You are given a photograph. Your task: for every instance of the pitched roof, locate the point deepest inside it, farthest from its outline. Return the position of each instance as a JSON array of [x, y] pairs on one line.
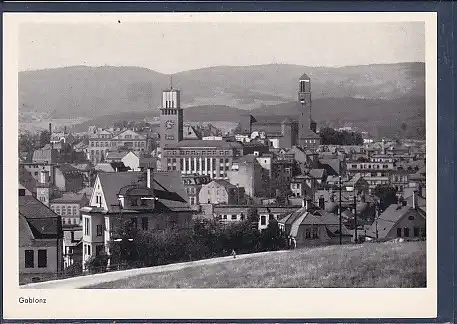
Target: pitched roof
[[168, 188], [42, 221], [388, 219], [224, 183], [68, 198], [115, 155], [68, 169], [26, 179], [304, 76]]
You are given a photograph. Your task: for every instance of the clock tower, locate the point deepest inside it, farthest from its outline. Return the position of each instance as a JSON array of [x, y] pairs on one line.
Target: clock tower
[[171, 118], [306, 126]]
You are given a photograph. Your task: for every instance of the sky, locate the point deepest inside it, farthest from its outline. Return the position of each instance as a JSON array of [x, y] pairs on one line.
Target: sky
[[170, 47]]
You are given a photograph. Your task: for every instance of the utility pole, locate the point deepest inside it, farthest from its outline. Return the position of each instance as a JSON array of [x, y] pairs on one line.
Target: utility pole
[[376, 218], [355, 218], [339, 212]]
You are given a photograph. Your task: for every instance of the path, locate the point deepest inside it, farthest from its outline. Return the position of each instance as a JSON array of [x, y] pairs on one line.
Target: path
[[84, 281]]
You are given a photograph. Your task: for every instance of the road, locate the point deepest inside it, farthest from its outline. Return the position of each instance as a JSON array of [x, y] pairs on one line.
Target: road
[[84, 281]]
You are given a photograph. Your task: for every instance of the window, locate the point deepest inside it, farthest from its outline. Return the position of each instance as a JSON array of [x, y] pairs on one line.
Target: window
[[29, 262], [134, 202], [406, 231], [315, 231], [263, 220], [68, 210], [224, 216], [133, 222], [99, 230], [86, 226], [411, 217], [144, 223], [398, 232], [307, 232], [42, 258], [144, 202], [75, 212], [88, 249], [416, 231], [234, 217]]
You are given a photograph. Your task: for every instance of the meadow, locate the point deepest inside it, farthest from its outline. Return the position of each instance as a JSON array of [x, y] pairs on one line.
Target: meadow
[[369, 265]]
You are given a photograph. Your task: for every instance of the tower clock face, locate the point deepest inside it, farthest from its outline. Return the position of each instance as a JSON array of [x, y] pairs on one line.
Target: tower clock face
[[169, 124]]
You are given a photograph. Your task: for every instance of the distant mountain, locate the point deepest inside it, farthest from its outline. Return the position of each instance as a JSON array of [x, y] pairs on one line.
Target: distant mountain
[[82, 91], [377, 116]]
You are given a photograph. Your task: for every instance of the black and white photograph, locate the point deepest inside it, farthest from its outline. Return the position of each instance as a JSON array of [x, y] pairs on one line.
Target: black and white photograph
[[190, 152]]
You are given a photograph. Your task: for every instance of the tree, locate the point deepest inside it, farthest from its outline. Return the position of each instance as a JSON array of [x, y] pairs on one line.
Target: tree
[[45, 138], [387, 196], [272, 238], [97, 263], [330, 136]]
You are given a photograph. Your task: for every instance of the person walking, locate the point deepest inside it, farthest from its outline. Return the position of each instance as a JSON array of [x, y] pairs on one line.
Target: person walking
[[234, 254]]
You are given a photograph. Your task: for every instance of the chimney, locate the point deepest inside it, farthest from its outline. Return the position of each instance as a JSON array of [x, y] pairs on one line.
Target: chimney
[[149, 177], [321, 202], [414, 199]]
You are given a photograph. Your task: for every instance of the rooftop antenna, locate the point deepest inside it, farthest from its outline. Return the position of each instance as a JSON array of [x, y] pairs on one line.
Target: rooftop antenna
[[171, 82]]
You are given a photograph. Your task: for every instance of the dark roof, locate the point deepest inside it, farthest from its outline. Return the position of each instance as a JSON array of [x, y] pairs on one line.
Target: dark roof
[[68, 198], [41, 220], [249, 158], [224, 183], [168, 188], [205, 144], [26, 179], [68, 169], [308, 133], [304, 76]]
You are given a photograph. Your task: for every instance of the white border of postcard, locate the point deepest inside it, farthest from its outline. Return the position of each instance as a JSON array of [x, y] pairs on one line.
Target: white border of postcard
[[211, 303]]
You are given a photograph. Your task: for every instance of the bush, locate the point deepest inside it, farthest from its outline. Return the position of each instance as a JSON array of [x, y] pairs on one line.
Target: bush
[[206, 239], [97, 263]]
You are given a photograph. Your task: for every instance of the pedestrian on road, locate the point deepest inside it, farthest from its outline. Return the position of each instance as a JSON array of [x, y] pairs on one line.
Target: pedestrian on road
[[234, 254]]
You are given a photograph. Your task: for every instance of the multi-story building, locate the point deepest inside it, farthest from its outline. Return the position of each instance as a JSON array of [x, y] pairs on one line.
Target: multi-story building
[[213, 158], [68, 207], [149, 201], [221, 192], [103, 141], [193, 184], [40, 240], [191, 156]]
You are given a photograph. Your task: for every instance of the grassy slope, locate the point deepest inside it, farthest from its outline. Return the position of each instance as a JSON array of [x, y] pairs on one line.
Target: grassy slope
[[383, 265]]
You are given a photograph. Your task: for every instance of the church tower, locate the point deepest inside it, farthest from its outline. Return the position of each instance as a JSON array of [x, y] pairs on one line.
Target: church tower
[[307, 125], [171, 117]]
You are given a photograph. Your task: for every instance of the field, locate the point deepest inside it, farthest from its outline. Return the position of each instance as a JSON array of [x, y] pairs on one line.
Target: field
[[370, 265]]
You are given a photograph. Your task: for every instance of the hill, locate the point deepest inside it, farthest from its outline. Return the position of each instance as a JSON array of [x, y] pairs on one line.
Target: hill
[[371, 265], [82, 91], [376, 116]]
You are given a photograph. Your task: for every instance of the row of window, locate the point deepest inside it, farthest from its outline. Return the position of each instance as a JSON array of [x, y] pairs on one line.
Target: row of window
[[71, 221], [109, 144], [65, 210], [30, 258], [404, 232], [198, 152], [370, 166]]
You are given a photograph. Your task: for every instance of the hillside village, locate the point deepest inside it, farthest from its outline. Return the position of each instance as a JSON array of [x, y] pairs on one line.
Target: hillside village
[[78, 190]]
